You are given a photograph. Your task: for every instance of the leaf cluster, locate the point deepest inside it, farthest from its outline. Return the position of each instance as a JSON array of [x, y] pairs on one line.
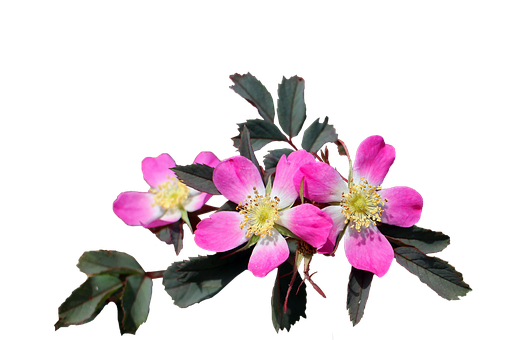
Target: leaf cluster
[[112, 276], [410, 246]]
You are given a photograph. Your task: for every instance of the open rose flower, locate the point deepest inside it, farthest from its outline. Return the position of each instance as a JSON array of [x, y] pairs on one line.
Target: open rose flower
[[362, 204], [167, 197], [239, 180]]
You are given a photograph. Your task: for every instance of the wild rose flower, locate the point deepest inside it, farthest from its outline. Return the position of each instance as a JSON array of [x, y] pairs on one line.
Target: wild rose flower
[[167, 197], [239, 180], [362, 204]]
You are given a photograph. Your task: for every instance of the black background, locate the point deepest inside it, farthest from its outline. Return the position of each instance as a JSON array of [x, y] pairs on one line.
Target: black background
[[122, 112]]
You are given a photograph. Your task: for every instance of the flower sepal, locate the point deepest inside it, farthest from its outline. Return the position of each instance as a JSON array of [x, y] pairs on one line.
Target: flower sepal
[[285, 232], [185, 218]]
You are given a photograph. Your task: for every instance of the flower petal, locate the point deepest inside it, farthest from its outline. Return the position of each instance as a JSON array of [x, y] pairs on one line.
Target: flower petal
[[322, 183], [403, 208], [335, 212], [236, 177], [135, 208], [220, 232], [269, 252], [195, 200], [207, 158], [286, 169], [373, 160], [368, 250], [171, 215], [156, 169], [156, 223], [307, 222]]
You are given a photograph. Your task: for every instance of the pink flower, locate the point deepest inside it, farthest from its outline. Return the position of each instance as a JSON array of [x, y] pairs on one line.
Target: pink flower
[[362, 204], [260, 213], [167, 198]]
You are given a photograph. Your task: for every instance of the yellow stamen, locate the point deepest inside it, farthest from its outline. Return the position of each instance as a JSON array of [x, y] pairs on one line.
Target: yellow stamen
[[260, 213], [362, 204], [170, 194]]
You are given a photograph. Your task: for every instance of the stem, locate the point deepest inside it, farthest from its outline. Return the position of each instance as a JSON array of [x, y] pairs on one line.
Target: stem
[[155, 275], [291, 144]]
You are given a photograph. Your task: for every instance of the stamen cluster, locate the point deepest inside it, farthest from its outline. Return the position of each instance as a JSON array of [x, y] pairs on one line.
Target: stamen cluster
[[362, 204], [260, 214], [170, 194]]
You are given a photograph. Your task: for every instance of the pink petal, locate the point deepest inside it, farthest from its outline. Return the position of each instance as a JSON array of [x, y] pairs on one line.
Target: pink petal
[[235, 178], [156, 223], [322, 183], [156, 170], [403, 208], [195, 200], [335, 212], [269, 252], [286, 169], [171, 215], [307, 222], [220, 232], [368, 250], [207, 158], [135, 208], [373, 160]]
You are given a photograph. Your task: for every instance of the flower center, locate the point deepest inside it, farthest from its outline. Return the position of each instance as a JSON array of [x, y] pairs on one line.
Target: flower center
[[362, 204], [170, 194], [260, 213]]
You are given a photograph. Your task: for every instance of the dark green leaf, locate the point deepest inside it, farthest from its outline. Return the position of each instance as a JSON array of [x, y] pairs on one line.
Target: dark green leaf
[[272, 158], [251, 89], [357, 293], [135, 303], [436, 273], [318, 134], [171, 233], [296, 304], [427, 241], [85, 303], [228, 206], [108, 262], [197, 176], [246, 149], [93, 317], [291, 105], [200, 278], [261, 133]]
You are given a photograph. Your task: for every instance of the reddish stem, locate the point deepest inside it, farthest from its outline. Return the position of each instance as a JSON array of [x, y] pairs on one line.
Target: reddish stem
[[155, 275]]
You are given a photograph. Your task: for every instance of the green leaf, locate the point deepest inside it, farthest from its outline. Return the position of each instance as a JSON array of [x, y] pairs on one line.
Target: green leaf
[[357, 293], [200, 278], [427, 241], [108, 262], [273, 157], [251, 89], [436, 273], [261, 133], [318, 134], [296, 304], [85, 303], [291, 105], [228, 206], [197, 176], [246, 149], [135, 303], [171, 233]]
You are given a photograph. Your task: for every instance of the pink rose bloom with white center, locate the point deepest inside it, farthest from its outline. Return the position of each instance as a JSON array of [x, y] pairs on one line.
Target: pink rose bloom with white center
[[239, 180], [362, 204], [167, 197]]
